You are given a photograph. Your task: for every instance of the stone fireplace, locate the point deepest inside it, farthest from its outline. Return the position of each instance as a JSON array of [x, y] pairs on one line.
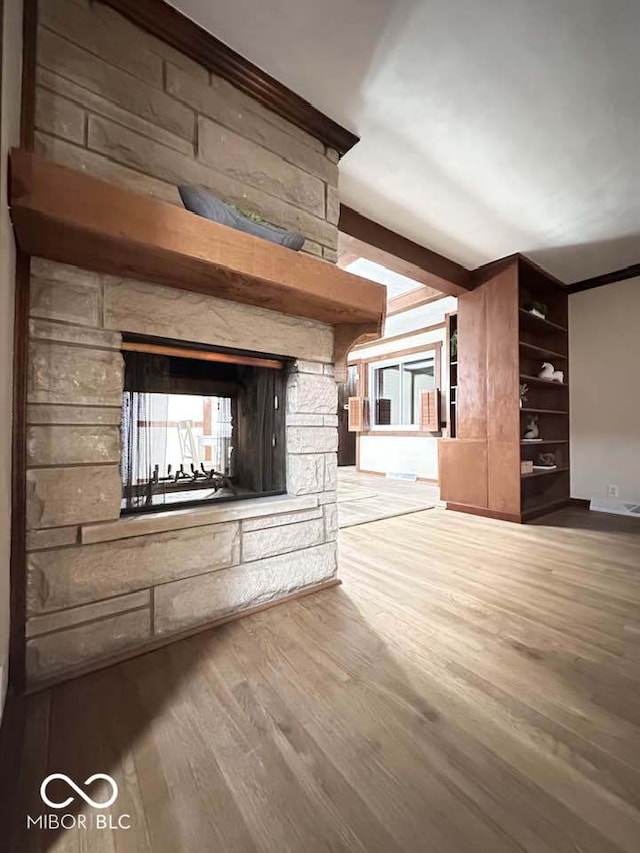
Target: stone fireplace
[[122, 553], [100, 583]]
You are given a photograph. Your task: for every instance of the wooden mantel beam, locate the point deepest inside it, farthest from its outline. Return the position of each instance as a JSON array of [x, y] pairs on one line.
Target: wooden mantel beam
[[363, 237]]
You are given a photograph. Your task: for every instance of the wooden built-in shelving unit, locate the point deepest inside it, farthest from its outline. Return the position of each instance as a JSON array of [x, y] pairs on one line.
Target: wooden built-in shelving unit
[[501, 346]]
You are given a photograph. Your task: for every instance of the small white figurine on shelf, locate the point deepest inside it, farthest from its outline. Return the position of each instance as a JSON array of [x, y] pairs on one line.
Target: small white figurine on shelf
[[549, 373], [532, 432]]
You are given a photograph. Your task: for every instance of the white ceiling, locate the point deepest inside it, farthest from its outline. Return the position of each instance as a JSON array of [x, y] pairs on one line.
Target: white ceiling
[[487, 126]]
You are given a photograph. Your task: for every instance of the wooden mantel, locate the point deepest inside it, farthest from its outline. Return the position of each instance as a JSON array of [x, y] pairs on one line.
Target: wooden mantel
[[74, 218]]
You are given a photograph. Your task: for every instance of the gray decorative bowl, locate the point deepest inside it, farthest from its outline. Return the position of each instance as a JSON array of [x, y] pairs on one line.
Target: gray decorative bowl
[[207, 205]]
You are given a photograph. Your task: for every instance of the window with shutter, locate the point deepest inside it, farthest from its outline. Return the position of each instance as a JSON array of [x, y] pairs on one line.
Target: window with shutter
[[397, 386]]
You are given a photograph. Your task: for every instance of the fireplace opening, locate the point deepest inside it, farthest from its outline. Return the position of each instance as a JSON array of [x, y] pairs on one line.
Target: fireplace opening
[[200, 425]]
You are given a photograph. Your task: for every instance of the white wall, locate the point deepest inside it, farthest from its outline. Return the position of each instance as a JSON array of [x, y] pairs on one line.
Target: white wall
[[407, 454], [10, 75], [604, 349]]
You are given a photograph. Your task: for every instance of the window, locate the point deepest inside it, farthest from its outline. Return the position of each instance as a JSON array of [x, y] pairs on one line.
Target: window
[[396, 386]]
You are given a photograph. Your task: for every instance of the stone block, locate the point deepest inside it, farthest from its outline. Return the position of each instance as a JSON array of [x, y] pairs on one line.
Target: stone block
[[68, 577], [47, 330], [330, 471], [312, 439], [330, 420], [302, 366], [84, 160], [259, 509], [222, 102], [333, 206], [116, 44], [329, 255], [137, 152], [87, 613], [305, 420], [329, 497], [62, 292], [305, 474], [61, 496], [54, 653], [258, 544], [45, 414], [109, 17], [283, 518], [150, 309], [307, 393], [76, 375], [131, 93], [330, 522], [329, 369], [183, 604], [333, 155], [101, 106], [54, 537], [250, 163], [59, 116], [72, 445]]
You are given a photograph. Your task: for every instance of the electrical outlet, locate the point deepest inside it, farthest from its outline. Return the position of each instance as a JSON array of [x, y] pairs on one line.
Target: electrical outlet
[[612, 491]]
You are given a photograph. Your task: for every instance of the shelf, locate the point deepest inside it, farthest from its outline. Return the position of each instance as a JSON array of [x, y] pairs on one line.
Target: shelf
[[535, 380], [545, 411], [540, 325], [542, 351], [525, 443], [543, 473], [74, 218], [453, 364]]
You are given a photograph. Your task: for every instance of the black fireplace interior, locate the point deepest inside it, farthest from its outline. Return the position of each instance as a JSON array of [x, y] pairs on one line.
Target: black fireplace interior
[[200, 424]]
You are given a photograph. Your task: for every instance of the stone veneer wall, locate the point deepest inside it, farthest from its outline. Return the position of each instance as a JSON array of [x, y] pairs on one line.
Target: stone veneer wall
[[98, 585], [124, 106], [118, 103]]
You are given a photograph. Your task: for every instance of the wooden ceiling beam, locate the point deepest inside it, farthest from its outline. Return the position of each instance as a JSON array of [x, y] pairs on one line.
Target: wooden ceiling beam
[[632, 271], [366, 238]]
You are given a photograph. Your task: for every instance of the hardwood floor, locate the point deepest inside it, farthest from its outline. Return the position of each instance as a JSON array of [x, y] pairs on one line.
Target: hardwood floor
[[368, 497], [473, 687]]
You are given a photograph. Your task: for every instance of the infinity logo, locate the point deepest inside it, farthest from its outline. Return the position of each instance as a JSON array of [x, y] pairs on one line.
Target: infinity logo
[[85, 797]]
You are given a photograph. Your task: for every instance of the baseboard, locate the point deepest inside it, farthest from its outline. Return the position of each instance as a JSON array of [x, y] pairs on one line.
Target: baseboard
[[484, 512], [580, 502], [160, 642], [383, 474]]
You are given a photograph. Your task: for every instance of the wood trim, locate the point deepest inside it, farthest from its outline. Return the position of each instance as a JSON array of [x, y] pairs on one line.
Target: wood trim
[[413, 299], [18, 554], [17, 566], [160, 642], [484, 512], [11, 738], [403, 336], [171, 26], [632, 271], [429, 347], [201, 355], [402, 255]]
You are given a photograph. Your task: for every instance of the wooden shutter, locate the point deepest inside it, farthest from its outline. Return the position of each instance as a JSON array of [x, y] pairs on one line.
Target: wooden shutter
[[356, 414], [430, 410]]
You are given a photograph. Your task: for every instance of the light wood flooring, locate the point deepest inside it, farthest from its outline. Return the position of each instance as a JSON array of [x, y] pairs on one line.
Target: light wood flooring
[[473, 687], [369, 497]]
